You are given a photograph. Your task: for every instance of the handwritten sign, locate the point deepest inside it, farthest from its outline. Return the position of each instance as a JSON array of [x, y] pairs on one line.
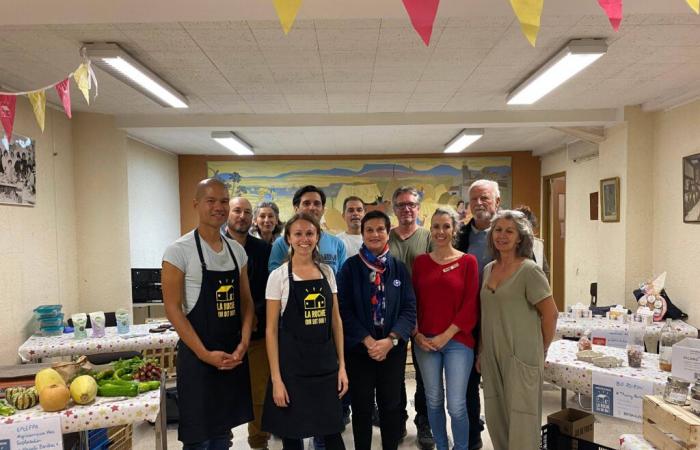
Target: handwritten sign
[[619, 396], [42, 433], [616, 337]]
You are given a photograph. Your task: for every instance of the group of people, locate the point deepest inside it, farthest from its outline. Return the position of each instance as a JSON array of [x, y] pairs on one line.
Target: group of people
[[277, 336]]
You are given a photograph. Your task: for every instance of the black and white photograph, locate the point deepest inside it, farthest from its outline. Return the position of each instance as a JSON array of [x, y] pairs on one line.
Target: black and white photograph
[[691, 189], [17, 171]]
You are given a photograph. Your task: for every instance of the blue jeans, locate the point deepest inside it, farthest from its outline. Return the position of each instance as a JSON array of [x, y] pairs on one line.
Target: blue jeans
[[216, 443], [456, 360]]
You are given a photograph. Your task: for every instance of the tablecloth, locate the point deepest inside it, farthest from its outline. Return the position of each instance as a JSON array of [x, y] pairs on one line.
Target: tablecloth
[[634, 442]]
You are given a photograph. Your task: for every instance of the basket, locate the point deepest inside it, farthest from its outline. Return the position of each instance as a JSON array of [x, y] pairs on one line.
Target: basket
[[167, 359], [114, 438], [552, 439]]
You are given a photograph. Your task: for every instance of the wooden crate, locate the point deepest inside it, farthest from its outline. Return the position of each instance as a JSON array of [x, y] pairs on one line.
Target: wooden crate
[[167, 358], [120, 438], [669, 427]]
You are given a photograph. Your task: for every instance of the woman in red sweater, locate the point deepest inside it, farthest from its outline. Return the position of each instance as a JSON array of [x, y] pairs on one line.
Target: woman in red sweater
[[446, 282]]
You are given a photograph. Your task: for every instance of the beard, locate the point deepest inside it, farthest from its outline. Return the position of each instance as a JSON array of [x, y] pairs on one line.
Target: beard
[[239, 227]]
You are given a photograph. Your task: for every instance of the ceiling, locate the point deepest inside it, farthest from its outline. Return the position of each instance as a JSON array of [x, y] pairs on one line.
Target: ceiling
[[358, 81]]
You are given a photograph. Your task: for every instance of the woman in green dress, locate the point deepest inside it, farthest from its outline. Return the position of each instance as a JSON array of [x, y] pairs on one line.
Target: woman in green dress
[[518, 321]]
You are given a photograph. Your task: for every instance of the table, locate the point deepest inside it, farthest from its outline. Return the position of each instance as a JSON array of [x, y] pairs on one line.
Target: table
[[563, 369], [634, 442], [36, 347], [575, 328]]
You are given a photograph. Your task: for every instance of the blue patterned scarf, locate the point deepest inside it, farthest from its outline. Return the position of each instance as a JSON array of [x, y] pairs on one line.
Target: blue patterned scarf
[[377, 266]]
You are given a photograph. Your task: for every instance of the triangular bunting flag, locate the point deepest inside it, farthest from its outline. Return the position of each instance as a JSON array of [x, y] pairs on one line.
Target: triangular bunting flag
[[422, 14], [63, 89], [287, 12], [7, 113], [82, 79], [528, 13], [613, 8], [695, 4], [38, 101]]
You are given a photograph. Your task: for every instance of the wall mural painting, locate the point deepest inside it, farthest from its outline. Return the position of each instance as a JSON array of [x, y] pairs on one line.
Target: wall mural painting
[[440, 181], [17, 171]]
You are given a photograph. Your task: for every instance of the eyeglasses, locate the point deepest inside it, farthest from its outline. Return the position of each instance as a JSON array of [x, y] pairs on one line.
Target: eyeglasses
[[409, 205]]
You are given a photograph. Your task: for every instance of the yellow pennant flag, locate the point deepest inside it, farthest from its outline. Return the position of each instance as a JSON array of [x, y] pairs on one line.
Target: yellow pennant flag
[[287, 12], [38, 101], [695, 4], [82, 79], [528, 13]]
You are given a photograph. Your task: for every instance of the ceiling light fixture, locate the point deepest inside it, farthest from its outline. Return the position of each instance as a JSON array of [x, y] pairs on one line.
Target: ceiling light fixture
[[114, 60], [464, 139], [573, 58], [232, 142]]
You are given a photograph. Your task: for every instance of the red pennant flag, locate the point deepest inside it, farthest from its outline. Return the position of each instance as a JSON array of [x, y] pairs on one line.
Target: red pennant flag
[[422, 14], [63, 89], [7, 113], [613, 8]]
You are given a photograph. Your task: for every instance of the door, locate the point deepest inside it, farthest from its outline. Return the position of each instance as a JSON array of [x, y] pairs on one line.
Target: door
[[554, 233]]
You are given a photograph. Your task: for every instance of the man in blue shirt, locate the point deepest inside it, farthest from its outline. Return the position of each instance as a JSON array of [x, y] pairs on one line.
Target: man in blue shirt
[[311, 200]]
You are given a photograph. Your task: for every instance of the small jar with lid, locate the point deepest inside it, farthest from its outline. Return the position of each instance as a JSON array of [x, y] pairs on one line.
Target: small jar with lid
[[695, 399], [676, 391]]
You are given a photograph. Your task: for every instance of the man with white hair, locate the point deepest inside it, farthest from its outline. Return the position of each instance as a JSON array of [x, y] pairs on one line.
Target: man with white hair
[[484, 201]]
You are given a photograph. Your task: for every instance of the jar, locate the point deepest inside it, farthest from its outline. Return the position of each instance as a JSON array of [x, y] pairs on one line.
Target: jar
[[695, 399], [676, 391], [635, 343]]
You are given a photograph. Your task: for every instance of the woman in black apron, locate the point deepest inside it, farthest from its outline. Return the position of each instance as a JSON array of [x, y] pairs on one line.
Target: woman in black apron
[[305, 346], [211, 401]]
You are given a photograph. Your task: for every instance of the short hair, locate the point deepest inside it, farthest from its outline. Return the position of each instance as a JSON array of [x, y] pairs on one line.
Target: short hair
[[524, 248], [275, 209], [352, 198], [529, 215], [375, 214], [316, 255], [207, 183], [486, 183], [296, 200], [403, 190]]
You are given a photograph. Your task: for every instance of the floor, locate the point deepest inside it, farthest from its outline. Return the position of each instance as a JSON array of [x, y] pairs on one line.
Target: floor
[[607, 430]]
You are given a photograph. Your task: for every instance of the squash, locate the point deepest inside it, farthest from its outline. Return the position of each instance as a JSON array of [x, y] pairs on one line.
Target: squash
[[47, 377], [22, 398], [54, 398], [83, 389]]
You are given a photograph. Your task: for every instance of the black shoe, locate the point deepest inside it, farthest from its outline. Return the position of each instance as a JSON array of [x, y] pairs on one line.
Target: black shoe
[[346, 416], [404, 433], [375, 417], [476, 445], [425, 436]]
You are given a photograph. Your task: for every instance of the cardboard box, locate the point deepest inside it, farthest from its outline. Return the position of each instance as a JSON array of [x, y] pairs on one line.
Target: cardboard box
[[574, 423], [686, 359]]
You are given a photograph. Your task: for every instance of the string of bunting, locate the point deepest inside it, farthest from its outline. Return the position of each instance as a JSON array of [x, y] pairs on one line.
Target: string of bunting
[[423, 12], [84, 78]]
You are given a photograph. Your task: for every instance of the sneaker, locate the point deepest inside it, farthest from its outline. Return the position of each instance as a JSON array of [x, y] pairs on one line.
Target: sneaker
[[425, 436], [375, 417]]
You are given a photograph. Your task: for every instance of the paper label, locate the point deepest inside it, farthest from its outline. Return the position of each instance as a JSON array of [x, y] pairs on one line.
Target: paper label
[[41, 433], [617, 337], [619, 396]]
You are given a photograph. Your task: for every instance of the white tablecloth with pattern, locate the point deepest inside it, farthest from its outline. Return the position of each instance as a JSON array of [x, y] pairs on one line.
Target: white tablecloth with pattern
[[564, 370], [37, 347], [104, 412], [577, 328], [634, 442]]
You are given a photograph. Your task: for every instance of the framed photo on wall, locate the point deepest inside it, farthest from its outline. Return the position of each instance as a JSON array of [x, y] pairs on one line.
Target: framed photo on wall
[[691, 189], [610, 199]]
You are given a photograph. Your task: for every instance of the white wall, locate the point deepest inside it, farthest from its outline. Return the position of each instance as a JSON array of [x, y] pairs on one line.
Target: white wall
[[154, 203]]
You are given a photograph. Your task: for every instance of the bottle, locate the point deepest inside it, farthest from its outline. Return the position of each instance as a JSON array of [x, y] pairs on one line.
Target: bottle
[[635, 343], [665, 346]]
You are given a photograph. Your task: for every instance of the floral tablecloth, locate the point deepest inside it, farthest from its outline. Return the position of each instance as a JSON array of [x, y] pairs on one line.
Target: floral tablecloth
[[103, 413], [577, 327], [564, 370], [634, 442], [37, 347]]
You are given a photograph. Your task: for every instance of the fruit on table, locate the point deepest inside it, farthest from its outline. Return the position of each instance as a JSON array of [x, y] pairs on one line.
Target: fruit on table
[[118, 388], [22, 398], [54, 397], [47, 377], [6, 409], [83, 389]]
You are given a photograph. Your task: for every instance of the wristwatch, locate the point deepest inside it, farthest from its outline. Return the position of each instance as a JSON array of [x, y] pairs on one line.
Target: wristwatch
[[394, 341]]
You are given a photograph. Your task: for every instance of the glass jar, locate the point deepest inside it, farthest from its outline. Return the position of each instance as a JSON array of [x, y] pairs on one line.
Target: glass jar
[[635, 343], [695, 399], [676, 391], [666, 346]]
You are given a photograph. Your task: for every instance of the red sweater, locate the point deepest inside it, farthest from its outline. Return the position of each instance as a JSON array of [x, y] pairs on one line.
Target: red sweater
[[447, 294]]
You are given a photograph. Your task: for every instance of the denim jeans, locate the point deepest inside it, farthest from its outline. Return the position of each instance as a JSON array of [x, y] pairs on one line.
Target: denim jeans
[[216, 443], [455, 360]]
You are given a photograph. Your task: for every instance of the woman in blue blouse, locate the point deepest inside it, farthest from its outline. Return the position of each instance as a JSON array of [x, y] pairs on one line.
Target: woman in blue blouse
[[378, 309]]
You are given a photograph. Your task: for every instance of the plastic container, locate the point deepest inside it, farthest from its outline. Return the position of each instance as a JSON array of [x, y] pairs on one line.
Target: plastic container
[[46, 311], [122, 316], [51, 331], [51, 321], [553, 439]]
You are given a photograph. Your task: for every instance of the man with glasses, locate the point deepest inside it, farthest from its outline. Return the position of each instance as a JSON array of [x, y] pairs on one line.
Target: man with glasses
[[406, 242]]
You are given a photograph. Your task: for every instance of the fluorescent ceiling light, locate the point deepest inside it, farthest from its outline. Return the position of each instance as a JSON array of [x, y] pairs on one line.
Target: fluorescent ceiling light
[[232, 142], [114, 60], [576, 56], [464, 139]]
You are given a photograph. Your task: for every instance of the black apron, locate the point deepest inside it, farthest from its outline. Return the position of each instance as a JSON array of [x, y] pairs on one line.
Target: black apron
[[211, 401], [308, 365]]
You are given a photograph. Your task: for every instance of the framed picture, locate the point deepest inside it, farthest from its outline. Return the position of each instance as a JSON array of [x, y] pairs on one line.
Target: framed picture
[[610, 199], [691, 189], [17, 171]]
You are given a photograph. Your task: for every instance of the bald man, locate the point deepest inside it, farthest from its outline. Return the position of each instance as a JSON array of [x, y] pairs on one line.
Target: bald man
[[207, 299], [240, 219]]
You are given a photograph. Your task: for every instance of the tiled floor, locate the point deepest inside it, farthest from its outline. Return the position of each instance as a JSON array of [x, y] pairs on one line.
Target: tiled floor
[[607, 430]]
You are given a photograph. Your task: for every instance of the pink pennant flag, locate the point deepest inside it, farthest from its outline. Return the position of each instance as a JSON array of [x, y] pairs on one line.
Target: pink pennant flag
[[422, 14], [7, 113], [63, 89], [613, 8]]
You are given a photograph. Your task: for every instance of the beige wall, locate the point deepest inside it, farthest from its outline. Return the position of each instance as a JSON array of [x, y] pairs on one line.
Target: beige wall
[[38, 245]]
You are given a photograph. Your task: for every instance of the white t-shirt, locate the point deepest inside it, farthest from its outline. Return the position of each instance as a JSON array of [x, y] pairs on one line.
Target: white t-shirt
[[352, 242], [278, 283], [183, 255]]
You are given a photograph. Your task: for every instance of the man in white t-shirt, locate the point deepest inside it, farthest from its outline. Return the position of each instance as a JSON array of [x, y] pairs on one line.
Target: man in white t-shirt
[[207, 298], [353, 212]]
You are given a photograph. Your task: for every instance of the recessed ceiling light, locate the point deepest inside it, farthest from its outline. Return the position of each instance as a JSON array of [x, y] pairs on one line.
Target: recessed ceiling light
[[232, 142], [464, 139]]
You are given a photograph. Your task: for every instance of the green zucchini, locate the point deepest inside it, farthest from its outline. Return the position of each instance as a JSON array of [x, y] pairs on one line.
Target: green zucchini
[[118, 390]]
